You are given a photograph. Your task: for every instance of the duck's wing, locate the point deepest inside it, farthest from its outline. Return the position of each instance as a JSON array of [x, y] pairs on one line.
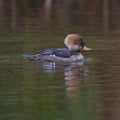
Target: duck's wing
[[59, 52]]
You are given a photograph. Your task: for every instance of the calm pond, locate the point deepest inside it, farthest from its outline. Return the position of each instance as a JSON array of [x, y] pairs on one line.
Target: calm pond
[[88, 90]]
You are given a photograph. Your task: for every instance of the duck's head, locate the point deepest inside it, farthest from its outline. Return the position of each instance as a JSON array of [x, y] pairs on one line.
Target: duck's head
[[75, 43]]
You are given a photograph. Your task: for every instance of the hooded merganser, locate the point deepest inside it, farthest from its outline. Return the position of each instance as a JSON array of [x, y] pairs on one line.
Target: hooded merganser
[[75, 45]]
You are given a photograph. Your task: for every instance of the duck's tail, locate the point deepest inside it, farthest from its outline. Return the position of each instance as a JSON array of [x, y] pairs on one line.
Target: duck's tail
[[29, 57]]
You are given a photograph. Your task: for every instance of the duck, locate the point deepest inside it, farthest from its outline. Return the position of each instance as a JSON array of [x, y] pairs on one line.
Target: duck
[[75, 45]]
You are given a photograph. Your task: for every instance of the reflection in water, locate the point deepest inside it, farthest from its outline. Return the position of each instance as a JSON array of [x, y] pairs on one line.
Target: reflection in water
[[74, 73], [90, 17], [75, 96]]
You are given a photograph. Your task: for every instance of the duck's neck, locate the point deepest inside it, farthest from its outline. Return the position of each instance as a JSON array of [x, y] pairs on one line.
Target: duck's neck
[[77, 57], [75, 52]]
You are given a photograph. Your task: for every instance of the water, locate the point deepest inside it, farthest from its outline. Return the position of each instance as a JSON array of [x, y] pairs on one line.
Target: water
[[88, 90], [80, 91]]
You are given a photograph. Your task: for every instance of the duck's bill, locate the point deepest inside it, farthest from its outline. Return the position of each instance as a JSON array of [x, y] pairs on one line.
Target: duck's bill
[[86, 48]]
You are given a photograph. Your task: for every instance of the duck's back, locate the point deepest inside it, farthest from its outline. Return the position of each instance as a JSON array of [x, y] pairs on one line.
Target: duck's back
[[59, 52]]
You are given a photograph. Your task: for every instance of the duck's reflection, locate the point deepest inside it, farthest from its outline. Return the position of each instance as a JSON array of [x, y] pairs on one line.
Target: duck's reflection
[[74, 74]]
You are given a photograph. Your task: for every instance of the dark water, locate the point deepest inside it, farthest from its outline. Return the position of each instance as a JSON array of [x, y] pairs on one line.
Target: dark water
[[88, 90]]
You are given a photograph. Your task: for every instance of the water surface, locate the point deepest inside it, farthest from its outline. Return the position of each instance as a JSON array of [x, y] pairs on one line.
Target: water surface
[[80, 91], [84, 90]]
